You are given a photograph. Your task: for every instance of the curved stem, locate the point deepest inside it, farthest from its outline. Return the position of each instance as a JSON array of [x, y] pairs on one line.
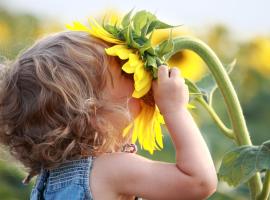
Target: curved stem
[[225, 130], [229, 95], [266, 187]]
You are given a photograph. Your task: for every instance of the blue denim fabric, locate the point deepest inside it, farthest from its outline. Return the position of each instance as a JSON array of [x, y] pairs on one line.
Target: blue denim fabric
[[68, 181]]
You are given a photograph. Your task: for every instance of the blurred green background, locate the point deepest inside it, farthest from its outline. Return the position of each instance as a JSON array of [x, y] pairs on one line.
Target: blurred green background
[[251, 78]]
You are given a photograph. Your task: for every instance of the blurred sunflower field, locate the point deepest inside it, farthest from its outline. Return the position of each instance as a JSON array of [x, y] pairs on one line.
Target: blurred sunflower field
[[250, 77]]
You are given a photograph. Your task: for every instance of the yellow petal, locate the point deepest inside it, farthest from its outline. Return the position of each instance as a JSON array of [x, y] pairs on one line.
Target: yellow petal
[[158, 132], [142, 92], [98, 29], [77, 26], [134, 60], [119, 50], [95, 30], [127, 129], [114, 20], [99, 32], [147, 129], [140, 72], [135, 133], [128, 68], [159, 116], [141, 123], [142, 78]]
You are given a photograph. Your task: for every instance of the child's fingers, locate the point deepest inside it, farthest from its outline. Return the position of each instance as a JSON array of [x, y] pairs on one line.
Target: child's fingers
[[174, 72], [163, 72], [154, 84]]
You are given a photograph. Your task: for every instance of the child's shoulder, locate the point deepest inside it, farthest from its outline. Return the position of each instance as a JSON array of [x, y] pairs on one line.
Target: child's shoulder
[[132, 174], [110, 172]]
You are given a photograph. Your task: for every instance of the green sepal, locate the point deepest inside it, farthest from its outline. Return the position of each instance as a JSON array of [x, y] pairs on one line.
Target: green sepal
[[141, 21], [156, 24], [151, 65], [146, 46], [111, 29], [165, 48], [126, 19]]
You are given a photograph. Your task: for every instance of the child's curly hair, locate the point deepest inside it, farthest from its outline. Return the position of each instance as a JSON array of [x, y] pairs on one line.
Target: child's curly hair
[[51, 102]]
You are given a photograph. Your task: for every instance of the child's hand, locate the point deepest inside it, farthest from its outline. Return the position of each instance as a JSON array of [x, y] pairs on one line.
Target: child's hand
[[170, 91]]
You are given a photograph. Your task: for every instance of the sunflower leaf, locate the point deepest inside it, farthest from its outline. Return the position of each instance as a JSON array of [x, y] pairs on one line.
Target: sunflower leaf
[[240, 164], [194, 91], [208, 85]]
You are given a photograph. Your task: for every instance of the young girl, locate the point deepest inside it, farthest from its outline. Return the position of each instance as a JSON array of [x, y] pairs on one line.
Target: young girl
[[63, 106]]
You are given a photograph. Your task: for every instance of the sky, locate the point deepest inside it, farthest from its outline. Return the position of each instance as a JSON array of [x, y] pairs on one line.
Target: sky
[[245, 18]]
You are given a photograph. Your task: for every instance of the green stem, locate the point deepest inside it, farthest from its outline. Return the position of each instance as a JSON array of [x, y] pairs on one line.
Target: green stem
[[225, 130], [231, 100], [266, 187]]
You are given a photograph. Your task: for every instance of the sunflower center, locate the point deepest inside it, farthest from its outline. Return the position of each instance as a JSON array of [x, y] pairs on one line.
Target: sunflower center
[[178, 57]]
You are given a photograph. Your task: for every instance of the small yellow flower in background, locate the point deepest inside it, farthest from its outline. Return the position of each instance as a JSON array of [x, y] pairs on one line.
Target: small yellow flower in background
[[47, 28], [4, 32], [191, 65], [259, 57]]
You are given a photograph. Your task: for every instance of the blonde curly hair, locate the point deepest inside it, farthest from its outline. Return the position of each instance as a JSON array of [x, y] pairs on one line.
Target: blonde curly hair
[[51, 102]]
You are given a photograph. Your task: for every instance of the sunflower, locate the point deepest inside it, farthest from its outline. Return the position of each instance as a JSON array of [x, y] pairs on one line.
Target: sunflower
[[5, 32], [259, 57], [146, 127]]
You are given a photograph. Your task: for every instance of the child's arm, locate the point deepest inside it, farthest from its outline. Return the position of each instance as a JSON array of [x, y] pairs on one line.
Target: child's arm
[[192, 154], [193, 176]]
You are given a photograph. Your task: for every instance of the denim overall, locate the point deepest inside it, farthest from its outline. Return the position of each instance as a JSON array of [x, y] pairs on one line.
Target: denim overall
[[69, 181]]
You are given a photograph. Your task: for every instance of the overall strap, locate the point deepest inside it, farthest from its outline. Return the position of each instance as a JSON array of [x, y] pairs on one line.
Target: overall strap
[[68, 180], [71, 172], [37, 193]]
